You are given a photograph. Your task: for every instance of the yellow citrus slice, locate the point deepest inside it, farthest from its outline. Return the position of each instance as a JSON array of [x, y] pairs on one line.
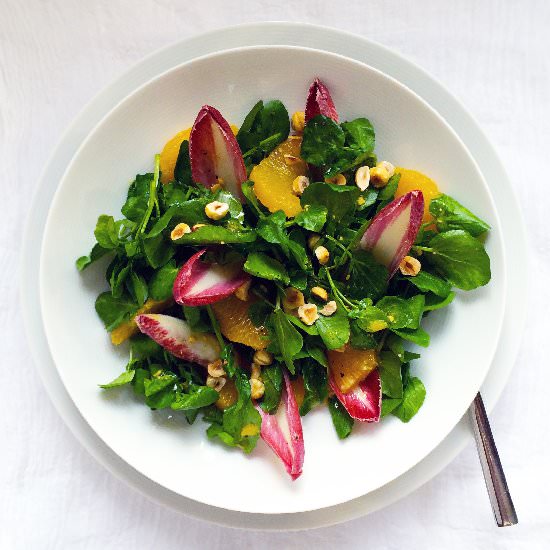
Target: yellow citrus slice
[[351, 366], [411, 180], [273, 177], [236, 325]]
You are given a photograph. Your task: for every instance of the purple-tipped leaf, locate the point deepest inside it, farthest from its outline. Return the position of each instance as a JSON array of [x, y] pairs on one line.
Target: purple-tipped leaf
[[363, 403], [393, 230], [283, 432], [199, 283], [319, 102], [215, 154], [176, 337]]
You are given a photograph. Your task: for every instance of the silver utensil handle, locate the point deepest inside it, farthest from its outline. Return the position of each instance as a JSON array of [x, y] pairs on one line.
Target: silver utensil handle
[[495, 480]]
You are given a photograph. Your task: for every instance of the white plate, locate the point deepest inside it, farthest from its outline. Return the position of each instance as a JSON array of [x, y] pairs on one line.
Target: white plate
[[268, 33]]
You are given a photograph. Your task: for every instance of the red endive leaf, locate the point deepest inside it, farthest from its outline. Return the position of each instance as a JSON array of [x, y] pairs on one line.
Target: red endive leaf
[[214, 152], [199, 283], [176, 337], [319, 102], [393, 230], [363, 403], [283, 433]]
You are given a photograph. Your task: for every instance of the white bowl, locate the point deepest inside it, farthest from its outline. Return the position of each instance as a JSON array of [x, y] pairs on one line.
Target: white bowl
[[162, 446]]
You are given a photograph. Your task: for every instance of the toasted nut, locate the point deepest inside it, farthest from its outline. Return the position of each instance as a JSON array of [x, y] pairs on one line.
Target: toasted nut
[[291, 160], [308, 314], [215, 383], [197, 226], [216, 210], [299, 185], [313, 240], [362, 177], [329, 309], [388, 166], [320, 292], [257, 388], [215, 369], [338, 179], [293, 299], [322, 255], [219, 181], [216, 187], [255, 371], [262, 357], [409, 266], [361, 201], [298, 121], [180, 230]]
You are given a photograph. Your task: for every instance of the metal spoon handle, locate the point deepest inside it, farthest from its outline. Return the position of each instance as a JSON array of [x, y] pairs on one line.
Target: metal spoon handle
[[495, 480]]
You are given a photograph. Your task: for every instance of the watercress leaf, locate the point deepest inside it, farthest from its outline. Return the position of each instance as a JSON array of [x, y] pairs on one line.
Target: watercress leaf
[[247, 189], [190, 212], [97, 252], [387, 193], [139, 381], [418, 336], [182, 169], [158, 251], [316, 353], [401, 312], [125, 378], [434, 302], [114, 310], [359, 135], [313, 217], [272, 229], [154, 385], [198, 397], [161, 399], [370, 318], [360, 339], [459, 258], [289, 340], [368, 278], [343, 422], [308, 329], [193, 317], [216, 234], [339, 200], [389, 367], [235, 206], [259, 313], [334, 330], [142, 347], [388, 405], [173, 193], [315, 386], [272, 377], [414, 394], [427, 282], [139, 288], [105, 232], [138, 197], [162, 281], [322, 142], [261, 265], [450, 214], [118, 276]]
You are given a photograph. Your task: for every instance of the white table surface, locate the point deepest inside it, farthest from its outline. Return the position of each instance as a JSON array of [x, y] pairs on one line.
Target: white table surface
[[56, 54]]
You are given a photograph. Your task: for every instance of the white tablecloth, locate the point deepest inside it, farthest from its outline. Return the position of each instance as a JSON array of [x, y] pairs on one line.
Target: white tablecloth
[[56, 54]]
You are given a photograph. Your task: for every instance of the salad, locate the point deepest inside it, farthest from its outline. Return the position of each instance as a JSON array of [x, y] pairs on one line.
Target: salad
[[260, 272]]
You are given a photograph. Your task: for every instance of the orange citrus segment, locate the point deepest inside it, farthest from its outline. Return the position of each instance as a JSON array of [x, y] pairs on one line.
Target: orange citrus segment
[[129, 328], [411, 180], [228, 395], [235, 324], [273, 177], [351, 366], [299, 390], [170, 152]]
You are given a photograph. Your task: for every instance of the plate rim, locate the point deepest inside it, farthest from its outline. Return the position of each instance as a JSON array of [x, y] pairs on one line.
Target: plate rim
[[262, 27]]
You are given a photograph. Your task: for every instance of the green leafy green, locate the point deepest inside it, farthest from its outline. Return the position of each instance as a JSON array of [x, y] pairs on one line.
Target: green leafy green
[[315, 385], [182, 169], [334, 330], [313, 217], [459, 258], [389, 368], [450, 214], [114, 311], [402, 312], [427, 282], [414, 394], [264, 266], [322, 142], [125, 378], [368, 279], [154, 385], [105, 232], [97, 252], [272, 377], [359, 135], [288, 341], [198, 397], [162, 281], [342, 421], [216, 234], [418, 336]]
